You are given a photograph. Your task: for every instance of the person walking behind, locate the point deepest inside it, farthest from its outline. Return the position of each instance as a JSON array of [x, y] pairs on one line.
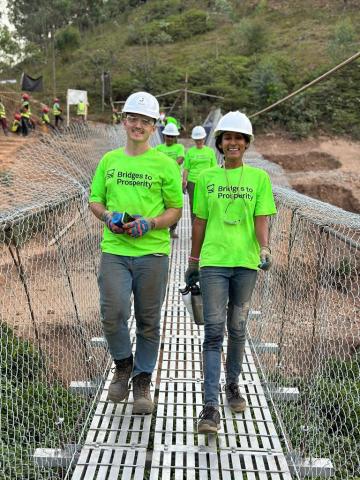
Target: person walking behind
[[139, 181], [197, 159], [57, 111], [44, 119], [175, 151], [25, 112], [81, 111], [230, 240], [3, 118], [16, 124]]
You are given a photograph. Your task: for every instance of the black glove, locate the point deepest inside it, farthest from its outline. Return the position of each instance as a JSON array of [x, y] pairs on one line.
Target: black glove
[[192, 272]]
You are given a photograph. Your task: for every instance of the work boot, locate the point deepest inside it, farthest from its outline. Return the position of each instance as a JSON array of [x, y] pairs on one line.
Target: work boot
[[119, 386], [141, 392], [209, 420], [236, 402]]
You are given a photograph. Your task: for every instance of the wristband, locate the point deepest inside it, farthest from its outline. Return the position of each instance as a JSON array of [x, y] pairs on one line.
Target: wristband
[[194, 259]]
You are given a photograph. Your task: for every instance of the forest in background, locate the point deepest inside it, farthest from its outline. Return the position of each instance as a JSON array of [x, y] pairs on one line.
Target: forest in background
[[251, 53]]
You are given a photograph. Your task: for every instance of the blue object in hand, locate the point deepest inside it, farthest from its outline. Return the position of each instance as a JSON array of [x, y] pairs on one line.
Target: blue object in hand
[[117, 219]]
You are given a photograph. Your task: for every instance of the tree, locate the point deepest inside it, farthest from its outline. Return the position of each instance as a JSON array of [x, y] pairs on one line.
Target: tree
[[9, 48]]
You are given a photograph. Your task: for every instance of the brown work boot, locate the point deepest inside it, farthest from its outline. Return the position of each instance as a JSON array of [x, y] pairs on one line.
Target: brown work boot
[[119, 386], [236, 402], [141, 392]]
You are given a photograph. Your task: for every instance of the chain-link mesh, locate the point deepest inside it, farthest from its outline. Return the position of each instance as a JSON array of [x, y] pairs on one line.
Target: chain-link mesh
[[49, 253], [306, 335], [305, 329]]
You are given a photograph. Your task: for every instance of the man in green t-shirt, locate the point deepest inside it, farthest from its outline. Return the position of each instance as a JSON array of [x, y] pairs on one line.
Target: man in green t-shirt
[[175, 151], [136, 191], [197, 158], [230, 243]]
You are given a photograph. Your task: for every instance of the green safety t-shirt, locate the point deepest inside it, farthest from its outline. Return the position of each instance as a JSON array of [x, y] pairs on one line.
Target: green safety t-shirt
[[146, 185], [197, 160], [232, 244], [174, 151]]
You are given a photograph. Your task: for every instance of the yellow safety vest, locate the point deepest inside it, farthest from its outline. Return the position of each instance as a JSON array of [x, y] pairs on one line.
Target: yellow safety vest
[[15, 126], [81, 108], [56, 109], [26, 107], [45, 118]]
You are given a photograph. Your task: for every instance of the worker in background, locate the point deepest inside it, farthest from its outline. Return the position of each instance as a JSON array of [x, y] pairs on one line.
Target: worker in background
[[230, 242], [81, 110], [175, 151], [197, 158], [57, 111], [3, 118], [25, 111], [16, 124], [45, 119], [136, 193], [172, 120], [116, 116]]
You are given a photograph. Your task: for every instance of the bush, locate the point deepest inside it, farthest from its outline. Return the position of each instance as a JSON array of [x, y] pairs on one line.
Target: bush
[[342, 43], [67, 38], [250, 36], [30, 408], [174, 27]]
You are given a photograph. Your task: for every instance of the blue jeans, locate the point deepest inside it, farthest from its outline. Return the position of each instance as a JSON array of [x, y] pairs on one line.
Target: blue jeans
[[223, 287], [146, 277]]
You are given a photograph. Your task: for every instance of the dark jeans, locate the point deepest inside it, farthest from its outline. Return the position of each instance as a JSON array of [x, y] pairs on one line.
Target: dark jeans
[[58, 118], [146, 277], [226, 295], [190, 189]]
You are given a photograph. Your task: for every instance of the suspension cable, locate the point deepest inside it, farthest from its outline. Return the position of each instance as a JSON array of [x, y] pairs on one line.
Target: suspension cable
[[313, 82]]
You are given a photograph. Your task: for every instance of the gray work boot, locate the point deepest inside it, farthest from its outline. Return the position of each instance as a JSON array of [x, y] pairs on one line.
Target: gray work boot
[[141, 392], [209, 420], [236, 402], [119, 386]]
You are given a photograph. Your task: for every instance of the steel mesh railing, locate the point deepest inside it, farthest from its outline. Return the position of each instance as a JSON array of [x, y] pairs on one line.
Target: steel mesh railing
[[308, 333], [305, 334]]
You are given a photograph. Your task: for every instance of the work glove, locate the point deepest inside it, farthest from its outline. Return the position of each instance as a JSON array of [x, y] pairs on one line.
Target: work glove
[[139, 227], [265, 258], [192, 272], [113, 220]]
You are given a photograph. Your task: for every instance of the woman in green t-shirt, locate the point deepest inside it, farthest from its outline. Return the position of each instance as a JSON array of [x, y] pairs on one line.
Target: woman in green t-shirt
[[229, 241], [197, 159]]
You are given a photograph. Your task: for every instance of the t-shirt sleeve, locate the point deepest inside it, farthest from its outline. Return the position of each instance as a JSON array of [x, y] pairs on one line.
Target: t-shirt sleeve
[[200, 207], [172, 187], [98, 188], [265, 203]]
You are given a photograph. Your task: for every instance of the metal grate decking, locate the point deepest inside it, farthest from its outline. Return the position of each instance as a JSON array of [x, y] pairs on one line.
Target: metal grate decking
[[165, 445]]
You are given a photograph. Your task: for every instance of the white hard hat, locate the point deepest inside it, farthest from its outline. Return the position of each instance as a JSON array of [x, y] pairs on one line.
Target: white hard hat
[[234, 122], [198, 133], [171, 129], [143, 103]]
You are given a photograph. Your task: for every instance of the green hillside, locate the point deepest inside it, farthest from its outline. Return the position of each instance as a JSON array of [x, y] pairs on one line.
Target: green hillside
[[252, 53]]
